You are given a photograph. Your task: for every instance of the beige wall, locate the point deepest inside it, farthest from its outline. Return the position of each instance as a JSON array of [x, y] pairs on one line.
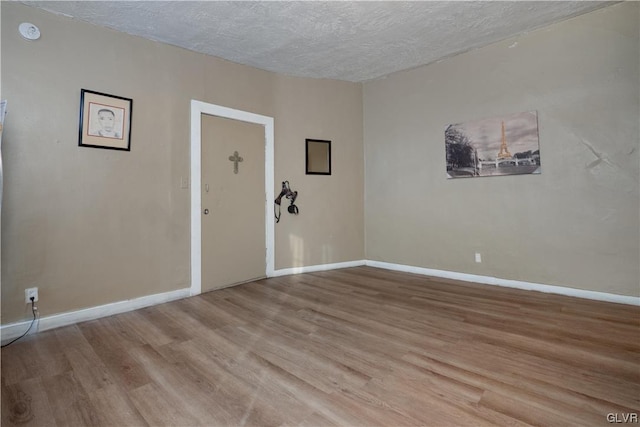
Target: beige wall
[[576, 224], [335, 237], [90, 226]]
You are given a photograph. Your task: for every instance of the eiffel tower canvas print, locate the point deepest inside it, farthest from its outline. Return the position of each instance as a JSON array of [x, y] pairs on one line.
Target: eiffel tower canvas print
[[504, 145]]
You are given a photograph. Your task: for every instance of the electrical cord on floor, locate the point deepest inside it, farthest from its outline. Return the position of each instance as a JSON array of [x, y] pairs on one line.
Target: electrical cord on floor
[[34, 310]]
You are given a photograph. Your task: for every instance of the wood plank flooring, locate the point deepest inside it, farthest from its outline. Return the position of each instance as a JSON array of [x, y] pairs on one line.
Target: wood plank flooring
[[352, 347]]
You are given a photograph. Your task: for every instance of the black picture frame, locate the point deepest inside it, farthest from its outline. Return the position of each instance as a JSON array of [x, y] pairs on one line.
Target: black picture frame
[[105, 121], [317, 157]]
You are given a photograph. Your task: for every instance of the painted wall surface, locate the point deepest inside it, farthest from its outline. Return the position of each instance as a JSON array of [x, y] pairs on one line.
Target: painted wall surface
[[90, 226], [323, 231], [575, 225]]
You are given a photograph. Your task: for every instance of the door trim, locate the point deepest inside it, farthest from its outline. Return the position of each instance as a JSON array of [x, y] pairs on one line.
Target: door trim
[[197, 109]]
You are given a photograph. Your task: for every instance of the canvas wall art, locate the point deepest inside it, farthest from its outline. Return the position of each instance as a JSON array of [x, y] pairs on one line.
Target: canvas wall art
[[505, 145]]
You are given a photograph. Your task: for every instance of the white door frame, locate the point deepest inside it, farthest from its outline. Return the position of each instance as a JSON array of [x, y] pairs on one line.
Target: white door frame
[[197, 109]]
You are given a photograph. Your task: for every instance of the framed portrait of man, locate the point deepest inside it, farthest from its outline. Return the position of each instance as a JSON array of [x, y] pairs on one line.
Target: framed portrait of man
[[105, 121]]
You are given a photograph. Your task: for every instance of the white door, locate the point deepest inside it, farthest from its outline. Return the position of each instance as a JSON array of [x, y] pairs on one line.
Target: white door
[[233, 202]]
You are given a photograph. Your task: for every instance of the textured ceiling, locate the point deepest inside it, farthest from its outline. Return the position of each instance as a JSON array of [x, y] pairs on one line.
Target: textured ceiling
[[344, 40]]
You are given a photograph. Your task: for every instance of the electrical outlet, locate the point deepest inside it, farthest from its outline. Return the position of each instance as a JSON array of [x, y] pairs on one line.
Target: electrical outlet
[[478, 257], [30, 292]]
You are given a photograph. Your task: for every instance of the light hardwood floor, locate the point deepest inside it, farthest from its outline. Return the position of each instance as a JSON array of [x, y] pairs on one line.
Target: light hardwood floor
[[353, 347]]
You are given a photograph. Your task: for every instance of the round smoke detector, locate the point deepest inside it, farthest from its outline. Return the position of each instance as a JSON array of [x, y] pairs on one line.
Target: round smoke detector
[[29, 31]]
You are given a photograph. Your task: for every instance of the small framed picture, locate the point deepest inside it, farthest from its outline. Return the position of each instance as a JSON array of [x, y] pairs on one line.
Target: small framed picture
[[318, 157], [105, 121]]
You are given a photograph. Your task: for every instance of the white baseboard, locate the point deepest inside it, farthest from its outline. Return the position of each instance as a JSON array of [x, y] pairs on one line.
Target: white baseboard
[[487, 280], [320, 267], [13, 330]]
